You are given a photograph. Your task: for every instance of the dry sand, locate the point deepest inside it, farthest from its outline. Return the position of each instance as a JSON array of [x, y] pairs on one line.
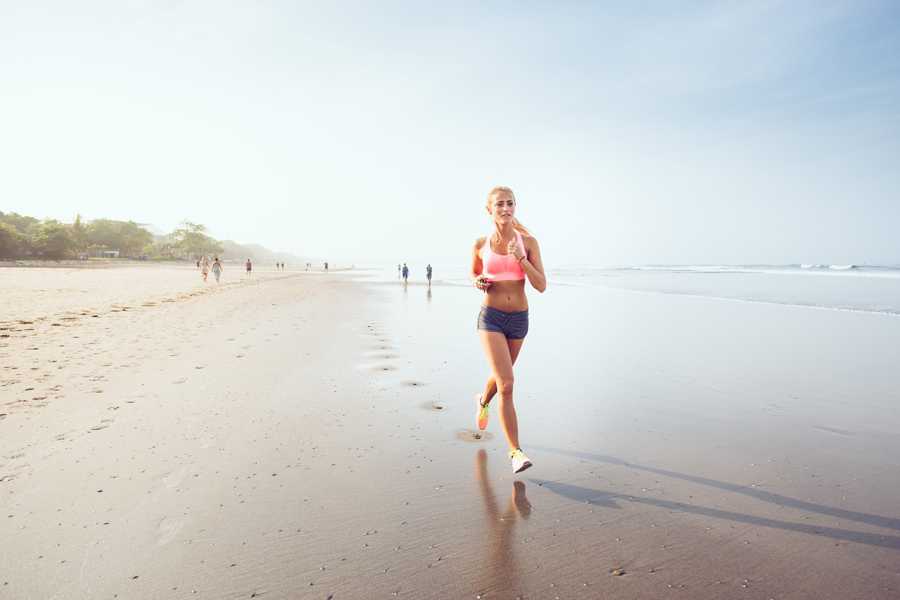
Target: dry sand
[[300, 435]]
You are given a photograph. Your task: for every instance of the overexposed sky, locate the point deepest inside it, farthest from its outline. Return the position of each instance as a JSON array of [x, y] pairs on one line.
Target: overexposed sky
[[632, 133]]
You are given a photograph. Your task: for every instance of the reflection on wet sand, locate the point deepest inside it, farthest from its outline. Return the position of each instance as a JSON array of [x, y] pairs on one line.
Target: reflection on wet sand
[[500, 578]]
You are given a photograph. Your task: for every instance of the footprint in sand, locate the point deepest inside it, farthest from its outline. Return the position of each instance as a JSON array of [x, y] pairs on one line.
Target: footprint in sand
[[103, 424], [66, 435], [17, 472], [472, 435], [169, 528], [173, 478], [182, 380]]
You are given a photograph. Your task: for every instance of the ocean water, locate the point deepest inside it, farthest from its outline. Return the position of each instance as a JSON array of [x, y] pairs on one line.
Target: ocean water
[[861, 288]]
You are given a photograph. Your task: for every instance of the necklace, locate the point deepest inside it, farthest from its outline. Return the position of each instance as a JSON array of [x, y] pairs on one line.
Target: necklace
[[500, 238]]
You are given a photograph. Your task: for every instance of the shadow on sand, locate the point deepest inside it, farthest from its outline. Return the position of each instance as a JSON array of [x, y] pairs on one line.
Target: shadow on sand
[[611, 499]]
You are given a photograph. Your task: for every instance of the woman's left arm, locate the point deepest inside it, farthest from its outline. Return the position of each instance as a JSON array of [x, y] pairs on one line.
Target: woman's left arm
[[532, 265]]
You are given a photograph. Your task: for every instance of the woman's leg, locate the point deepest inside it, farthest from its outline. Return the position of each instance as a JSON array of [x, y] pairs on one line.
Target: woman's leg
[[490, 387], [500, 353]]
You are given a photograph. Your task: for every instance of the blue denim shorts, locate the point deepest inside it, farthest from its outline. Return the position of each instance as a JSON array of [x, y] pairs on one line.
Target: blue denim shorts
[[513, 325]]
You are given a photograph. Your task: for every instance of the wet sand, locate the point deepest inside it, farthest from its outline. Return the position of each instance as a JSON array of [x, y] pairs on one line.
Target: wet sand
[[309, 436]]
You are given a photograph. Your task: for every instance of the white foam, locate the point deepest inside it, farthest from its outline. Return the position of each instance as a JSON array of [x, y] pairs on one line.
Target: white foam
[[727, 299]]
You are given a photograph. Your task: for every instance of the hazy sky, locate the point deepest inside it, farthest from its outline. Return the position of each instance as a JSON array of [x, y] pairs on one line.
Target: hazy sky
[[632, 133]]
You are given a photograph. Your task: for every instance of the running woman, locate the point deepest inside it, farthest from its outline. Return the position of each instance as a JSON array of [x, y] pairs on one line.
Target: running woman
[[217, 269], [501, 262]]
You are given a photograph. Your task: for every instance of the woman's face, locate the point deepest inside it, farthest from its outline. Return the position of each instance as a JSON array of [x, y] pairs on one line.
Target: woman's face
[[502, 207]]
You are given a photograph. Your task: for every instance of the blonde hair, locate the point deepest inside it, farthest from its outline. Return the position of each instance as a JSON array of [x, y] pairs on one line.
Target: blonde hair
[[516, 224]]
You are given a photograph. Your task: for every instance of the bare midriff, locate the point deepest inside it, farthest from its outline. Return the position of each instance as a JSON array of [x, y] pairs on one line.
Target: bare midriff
[[508, 296]]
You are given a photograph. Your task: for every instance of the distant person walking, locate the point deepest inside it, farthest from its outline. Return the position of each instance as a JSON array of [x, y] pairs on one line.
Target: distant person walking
[[204, 267], [249, 266], [501, 262], [198, 263], [217, 269], [399, 270], [326, 265], [405, 273], [428, 271]]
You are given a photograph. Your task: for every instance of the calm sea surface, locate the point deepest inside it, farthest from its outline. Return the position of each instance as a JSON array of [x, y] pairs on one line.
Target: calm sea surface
[[863, 288]]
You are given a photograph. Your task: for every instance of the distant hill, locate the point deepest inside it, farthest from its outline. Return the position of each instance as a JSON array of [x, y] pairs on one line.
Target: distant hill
[[255, 252]]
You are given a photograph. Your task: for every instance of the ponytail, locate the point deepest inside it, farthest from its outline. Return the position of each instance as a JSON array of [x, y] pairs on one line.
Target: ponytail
[[519, 227]]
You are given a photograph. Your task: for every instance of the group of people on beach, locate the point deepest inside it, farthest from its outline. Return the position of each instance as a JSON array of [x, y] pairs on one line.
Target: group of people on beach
[[278, 266], [216, 268], [404, 272]]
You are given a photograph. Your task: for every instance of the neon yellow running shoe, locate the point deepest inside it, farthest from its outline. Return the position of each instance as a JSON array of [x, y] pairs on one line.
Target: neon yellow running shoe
[[481, 413], [519, 462]]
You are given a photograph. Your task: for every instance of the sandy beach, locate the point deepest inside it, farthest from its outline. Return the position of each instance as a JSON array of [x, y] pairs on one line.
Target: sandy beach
[[311, 435]]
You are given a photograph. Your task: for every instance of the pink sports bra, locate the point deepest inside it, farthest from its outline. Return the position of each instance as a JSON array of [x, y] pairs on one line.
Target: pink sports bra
[[502, 267]]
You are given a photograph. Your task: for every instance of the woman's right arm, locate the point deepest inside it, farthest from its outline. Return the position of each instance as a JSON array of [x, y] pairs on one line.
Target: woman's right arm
[[476, 276]]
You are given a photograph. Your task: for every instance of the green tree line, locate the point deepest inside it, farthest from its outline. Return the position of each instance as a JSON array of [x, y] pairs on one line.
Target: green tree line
[[27, 236], [24, 236]]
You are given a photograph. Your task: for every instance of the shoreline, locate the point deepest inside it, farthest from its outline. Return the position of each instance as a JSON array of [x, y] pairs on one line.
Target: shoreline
[[86, 264], [747, 300]]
